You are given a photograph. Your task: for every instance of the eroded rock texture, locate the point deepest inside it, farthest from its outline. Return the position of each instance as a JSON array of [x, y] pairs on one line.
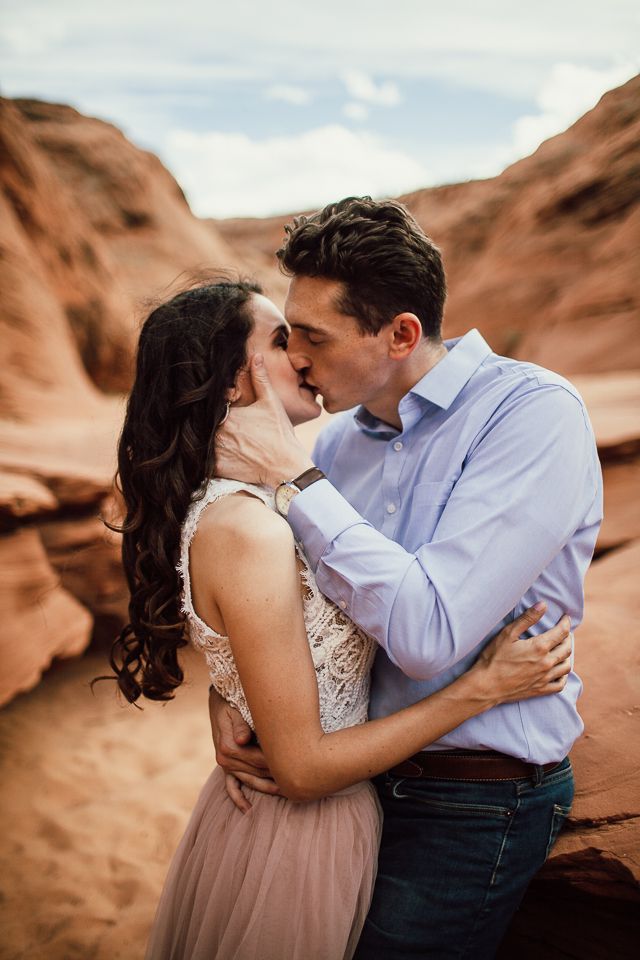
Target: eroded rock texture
[[40, 619], [613, 402], [544, 258], [585, 903], [56, 476], [90, 227]]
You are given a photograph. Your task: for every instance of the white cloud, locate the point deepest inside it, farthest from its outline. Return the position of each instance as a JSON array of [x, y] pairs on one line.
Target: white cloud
[[568, 93], [230, 175], [30, 35], [356, 111], [498, 45], [282, 91], [361, 86], [143, 65]]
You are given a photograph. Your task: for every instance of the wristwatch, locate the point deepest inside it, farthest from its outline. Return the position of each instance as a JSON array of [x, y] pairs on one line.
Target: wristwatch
[[288, 489]]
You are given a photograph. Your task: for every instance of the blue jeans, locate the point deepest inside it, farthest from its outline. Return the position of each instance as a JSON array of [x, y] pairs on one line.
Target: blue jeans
[[456, 858]]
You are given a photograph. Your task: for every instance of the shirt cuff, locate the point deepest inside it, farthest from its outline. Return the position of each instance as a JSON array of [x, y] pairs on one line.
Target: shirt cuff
[[317, 516]]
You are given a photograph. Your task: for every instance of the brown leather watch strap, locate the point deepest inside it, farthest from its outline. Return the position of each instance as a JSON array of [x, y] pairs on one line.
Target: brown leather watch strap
[[308, 477]]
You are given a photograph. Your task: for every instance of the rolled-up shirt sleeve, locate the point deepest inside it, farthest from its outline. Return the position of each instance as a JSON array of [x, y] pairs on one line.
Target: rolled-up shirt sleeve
[[526, 485]]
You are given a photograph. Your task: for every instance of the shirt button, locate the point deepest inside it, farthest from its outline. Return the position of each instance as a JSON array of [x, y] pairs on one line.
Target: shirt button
[[397, 445], [391, 508], [343, 604]]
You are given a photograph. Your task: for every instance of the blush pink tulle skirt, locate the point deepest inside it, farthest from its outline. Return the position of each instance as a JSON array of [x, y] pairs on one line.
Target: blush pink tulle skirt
[[285, 881]]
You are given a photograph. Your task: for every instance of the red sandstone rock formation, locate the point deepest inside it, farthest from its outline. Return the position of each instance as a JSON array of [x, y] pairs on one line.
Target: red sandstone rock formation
[[585, 903], [608, 754], [40, 619], [613, 402], [97, 224], [544, 258], [256, 241], [89, 226]]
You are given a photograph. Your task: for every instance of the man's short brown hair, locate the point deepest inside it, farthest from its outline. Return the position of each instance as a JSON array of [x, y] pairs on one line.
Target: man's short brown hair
[[384, 259]]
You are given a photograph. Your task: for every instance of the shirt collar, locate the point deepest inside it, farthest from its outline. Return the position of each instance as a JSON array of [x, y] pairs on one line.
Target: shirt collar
[[370, 424], [440, 386]]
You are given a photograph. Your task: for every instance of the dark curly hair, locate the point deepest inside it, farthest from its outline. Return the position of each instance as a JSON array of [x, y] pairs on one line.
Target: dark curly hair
[[384, 259], [190, 352]]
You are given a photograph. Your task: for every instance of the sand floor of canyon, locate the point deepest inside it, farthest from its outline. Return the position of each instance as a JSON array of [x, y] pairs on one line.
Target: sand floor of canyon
[[94, 797]]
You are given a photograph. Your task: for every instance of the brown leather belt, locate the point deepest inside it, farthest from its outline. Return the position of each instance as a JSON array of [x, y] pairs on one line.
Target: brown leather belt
[[478, 765]]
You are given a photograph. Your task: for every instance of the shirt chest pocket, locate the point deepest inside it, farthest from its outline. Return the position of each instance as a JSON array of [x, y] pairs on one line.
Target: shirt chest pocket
[[429, 500]]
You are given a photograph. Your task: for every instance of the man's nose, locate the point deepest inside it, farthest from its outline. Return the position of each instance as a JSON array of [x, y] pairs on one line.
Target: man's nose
[[297, 358]]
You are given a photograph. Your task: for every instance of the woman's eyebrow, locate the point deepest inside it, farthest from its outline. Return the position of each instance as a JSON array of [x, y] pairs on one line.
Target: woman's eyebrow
[[281, 328]]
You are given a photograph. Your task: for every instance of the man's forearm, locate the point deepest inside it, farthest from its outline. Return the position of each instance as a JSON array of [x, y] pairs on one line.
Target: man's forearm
[[431, 608]]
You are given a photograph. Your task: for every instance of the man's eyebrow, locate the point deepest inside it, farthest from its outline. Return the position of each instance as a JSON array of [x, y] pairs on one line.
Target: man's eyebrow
[[309, 327]]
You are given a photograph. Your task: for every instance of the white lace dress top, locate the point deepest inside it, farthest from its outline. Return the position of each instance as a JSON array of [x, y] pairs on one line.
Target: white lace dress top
[[342, 653]]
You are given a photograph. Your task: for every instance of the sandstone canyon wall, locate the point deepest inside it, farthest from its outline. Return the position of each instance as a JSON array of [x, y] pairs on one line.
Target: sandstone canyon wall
[[543, 259], [90, 226]]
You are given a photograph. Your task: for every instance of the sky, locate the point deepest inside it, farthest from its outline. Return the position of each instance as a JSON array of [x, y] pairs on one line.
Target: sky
[[261, 108]]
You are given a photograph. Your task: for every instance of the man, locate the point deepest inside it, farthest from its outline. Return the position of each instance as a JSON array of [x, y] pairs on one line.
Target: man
[[461, 489]]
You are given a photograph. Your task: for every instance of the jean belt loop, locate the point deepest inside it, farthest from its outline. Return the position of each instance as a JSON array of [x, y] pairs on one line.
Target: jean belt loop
[[396, 787], [539, 775]]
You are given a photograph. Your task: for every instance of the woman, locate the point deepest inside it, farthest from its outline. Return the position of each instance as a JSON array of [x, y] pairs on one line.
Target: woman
[[292, 878]]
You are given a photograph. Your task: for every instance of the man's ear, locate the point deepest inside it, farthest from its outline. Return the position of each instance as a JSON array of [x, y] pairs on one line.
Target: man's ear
[[405, 334]]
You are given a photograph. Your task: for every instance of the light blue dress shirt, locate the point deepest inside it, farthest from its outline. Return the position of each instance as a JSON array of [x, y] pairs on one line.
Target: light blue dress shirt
[[433, 537]]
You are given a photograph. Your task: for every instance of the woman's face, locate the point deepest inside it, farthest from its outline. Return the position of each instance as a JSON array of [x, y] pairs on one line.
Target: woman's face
[[269, 337]]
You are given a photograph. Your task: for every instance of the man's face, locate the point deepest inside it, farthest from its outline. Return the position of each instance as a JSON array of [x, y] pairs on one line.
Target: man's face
[[347, 367]]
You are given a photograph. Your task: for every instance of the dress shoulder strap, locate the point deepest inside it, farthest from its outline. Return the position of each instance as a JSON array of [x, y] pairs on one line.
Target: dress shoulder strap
[[209, 492]]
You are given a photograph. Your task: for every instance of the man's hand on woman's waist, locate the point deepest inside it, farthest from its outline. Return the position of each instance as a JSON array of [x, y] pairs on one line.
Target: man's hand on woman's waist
[[240, 760]]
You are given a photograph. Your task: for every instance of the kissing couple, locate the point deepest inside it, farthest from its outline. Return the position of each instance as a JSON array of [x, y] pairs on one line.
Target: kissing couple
[[386, 623]]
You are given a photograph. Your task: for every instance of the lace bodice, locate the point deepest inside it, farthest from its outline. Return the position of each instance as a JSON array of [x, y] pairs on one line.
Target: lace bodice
[[342, 653]]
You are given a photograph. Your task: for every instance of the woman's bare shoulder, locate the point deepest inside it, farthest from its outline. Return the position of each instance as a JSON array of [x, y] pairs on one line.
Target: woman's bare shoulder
[[238, 541], [241, 522]]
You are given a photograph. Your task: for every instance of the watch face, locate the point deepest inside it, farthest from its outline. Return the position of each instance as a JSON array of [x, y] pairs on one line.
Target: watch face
[[284, 494]]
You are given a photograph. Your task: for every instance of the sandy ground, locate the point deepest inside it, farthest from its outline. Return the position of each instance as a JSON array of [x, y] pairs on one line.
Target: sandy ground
[[94, 798]]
